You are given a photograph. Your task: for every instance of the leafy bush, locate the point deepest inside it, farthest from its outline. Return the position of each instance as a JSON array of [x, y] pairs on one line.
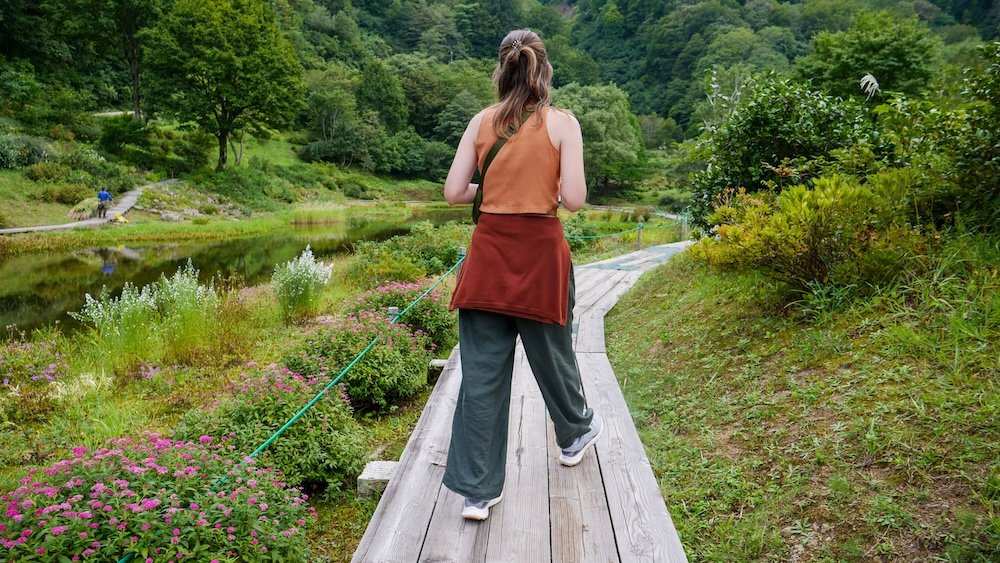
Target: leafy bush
[[773, 139], [27, 369], [576, 227], [424, 250], [674, 199], [153, 498], [95, 171], [249, 187], [47, 172], [66, 194], [428, 316], [299, 284], [153, 148], [840, 232], [393, 369], [17, 151], [323, 449]]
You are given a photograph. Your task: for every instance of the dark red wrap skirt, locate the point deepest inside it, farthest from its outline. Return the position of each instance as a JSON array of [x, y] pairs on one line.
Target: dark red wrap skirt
[[517, 265]]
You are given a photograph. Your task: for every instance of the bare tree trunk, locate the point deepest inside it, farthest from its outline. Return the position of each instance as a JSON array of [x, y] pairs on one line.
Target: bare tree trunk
[[223, 137], [133, 68], [237, 150]]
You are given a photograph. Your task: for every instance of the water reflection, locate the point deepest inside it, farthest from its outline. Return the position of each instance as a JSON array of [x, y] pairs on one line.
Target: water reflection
[[40, 289]]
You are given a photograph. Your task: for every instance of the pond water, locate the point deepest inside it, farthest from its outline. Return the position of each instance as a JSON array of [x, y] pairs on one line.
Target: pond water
[[40, 289]]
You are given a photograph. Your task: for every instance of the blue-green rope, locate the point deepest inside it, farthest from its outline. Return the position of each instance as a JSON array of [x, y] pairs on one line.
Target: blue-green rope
[[328, 386]]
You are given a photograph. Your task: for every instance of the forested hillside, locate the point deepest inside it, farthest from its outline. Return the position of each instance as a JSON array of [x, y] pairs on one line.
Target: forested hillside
[[388, 85]]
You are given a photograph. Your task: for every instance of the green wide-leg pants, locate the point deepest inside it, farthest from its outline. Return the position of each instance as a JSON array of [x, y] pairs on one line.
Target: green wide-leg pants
[[477, 457]]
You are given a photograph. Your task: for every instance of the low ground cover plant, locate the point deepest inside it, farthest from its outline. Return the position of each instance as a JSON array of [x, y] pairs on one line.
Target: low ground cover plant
[[298, 284], [28, 368], [393, 369], [430, 315], [153, 498], [325, 449]]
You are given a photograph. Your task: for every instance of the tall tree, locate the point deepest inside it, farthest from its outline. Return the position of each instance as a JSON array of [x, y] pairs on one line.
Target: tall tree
[[381, 92], [225, 65], [111, 25], [901, 54]]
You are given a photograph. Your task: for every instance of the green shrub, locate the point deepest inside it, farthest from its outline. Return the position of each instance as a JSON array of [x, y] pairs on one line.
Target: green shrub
[[47, 172], [248, 187], [428, 316], [153, 148], [356, 191], [577, 226], [95, 171], [393, 369], [18, 151], [774, 136], [839, 232], [424, 250], [67, 194], [326, 448], [674, 199], [299, 283]]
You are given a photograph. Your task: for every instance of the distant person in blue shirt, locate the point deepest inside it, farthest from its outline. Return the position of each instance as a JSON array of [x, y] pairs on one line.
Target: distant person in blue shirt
[[104, 201]]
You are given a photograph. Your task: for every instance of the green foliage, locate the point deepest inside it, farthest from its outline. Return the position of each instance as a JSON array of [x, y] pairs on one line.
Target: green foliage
[[425, 250], [392, 370], [324, 449], [248, 186], [455, 116], [66, 194], [225, 65], [612, 141], [298, 284], [430, 315], [152, 148], [47, 172], [95, 171], [838, 232], [172, 319], [381, 92], [29, 368], [901, 54], [17, 151], [576, 227], [773, 138]]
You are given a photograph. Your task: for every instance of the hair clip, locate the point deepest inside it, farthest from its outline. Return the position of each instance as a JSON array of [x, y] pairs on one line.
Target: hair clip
[[515, 43]]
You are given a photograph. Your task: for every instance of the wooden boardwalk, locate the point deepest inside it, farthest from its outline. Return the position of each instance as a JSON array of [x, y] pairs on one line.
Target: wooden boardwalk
[[606, 509], [123, 204]]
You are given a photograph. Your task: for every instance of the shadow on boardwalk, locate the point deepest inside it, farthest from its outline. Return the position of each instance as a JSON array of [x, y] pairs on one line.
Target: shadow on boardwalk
[[608, 508]]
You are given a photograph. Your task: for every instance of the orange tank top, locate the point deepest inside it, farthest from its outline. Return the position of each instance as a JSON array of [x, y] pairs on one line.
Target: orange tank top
[[524, 176]]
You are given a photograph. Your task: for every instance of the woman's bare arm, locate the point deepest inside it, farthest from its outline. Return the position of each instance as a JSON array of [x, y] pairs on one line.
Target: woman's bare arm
[[573, 184], [457, 188]]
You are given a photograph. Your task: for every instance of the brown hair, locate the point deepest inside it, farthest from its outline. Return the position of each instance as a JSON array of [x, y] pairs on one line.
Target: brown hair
[[523, 78]]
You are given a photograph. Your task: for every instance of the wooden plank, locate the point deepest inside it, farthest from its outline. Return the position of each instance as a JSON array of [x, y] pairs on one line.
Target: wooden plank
[[580, 520], [643, 528], [450, 538], [590, 336], [396, 530], [519, 530], [612, 278]]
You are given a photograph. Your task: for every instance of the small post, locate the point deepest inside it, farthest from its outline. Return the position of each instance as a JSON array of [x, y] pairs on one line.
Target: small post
[[392, 312], [638, 238], [459, 258], [684, 227]]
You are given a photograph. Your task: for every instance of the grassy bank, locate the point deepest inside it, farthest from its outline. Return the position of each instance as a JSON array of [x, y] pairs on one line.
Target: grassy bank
[[782, 432]]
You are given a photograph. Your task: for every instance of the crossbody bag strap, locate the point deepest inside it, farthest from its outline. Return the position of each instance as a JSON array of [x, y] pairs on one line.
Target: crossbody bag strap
[[478, 201]]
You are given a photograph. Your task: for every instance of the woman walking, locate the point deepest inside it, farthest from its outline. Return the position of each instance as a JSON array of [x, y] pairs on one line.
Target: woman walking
[[517, 279]]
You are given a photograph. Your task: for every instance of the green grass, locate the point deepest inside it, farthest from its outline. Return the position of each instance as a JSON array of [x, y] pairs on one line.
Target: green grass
[[21, 206], [776, 436]]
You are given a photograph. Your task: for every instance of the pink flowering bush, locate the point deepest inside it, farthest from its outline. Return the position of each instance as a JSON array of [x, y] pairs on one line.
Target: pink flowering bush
[[429, 316], [153, 499], [325, 449], [393, 369], [27, 370]]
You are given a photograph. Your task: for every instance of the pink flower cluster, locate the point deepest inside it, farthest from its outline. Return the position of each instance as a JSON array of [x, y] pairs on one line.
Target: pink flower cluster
[[154, 495]]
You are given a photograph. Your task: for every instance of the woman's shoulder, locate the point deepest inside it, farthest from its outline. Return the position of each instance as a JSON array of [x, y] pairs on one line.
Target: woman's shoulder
[[561, 116]]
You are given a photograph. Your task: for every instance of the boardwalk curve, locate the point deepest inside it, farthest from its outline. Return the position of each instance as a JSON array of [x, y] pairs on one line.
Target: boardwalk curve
[[606, 509]]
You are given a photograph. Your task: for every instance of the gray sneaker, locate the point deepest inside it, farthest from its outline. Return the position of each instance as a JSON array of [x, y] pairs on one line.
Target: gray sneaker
[[574, 453], [476, 509]]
